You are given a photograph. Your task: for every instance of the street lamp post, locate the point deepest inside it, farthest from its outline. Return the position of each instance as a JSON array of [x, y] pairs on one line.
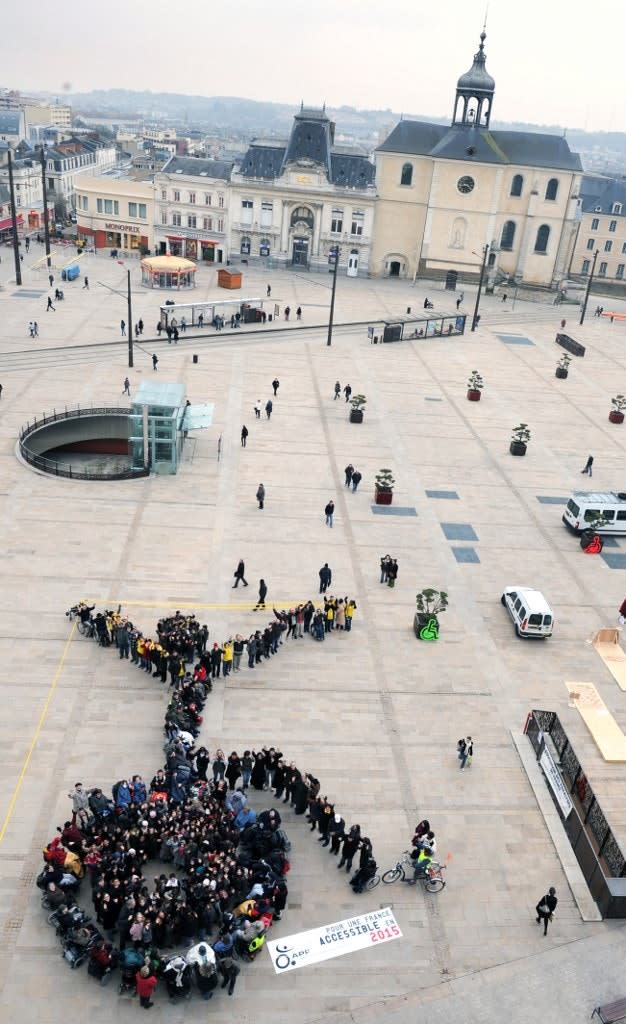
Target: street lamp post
[[589, 283], [335, 251], [131, 361], [16, 241], [476, 318], [44, 193]]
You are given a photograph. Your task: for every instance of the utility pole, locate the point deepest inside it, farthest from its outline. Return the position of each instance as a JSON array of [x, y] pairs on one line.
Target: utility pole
[[589, 283], [44, 193], [476, 318], [335, 252], [16, 241]]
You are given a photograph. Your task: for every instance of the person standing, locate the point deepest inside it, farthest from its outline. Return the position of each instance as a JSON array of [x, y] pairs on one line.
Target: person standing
[[261, 602], [260, 495], [465, 749], [268, 408], [329, 512], [385, 562], [239, 574], [349, 470], [299, 313], [337, 390], [51, 279], [275, 385], [126, 390], [86, 284], [326, 576], [244, 435], [588, 466], [287, 312], [31, 329], [146, 984], [36, 328], [123, 328], [392, 572], [269, 290], [356, 480], [546, 907], [257, 409], [155, 360], [347, 392]]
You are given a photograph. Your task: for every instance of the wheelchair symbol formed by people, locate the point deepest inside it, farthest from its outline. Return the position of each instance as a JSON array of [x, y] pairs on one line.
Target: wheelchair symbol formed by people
[[286, 957]]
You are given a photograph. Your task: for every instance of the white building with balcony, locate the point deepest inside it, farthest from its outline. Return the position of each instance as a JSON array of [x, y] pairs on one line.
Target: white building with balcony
[[191, 203], [296, 201]]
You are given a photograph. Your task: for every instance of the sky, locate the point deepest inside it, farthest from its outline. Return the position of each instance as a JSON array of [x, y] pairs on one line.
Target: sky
[[555, 62]]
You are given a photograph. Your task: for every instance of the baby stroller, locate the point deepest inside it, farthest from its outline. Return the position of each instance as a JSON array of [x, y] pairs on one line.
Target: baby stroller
[[129, 963]]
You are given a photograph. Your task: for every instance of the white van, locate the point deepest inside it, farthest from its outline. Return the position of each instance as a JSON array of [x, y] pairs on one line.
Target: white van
[[584, 506], [529, 610]]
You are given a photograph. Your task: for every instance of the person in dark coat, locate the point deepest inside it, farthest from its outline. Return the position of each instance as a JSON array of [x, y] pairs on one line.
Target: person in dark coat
[[336, 832], [233, 769], [546, 907], [257, 777], [326, 576], [262, 595], [350, 844], [239, 574]]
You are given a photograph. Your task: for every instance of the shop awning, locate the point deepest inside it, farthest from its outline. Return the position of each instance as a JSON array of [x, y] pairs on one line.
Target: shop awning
[[175, 238], [8, 223]]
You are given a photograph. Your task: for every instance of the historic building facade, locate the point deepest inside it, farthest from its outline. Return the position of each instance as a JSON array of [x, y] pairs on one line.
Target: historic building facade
[[447, 191], [295, 202], [115, 213], [191, 198], [602, 230]]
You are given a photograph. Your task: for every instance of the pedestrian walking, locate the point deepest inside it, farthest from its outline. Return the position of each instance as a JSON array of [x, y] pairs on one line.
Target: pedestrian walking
[[239, 574], [244, 435], [349, 470], [461, 296], [269, 290], [458, 303], [31, 329], [137, 331], [27, 244], [257, 409], [347, 392], [123, 328], [86, 284], [546, 907], [465, 752], [337, 390], [51, 279], [275, 385], [260, 495], [201, 321], [326, 576], [36, 328], [126, 390], [356, 479], [588, 466], [329, 512], [50, 306], [155, 360], [140, 325], [299, 313], [268, 408], [262, 595]]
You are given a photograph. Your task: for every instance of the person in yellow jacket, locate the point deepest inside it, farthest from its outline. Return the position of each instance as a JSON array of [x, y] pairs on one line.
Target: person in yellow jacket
[[350, 610], [227, 657]]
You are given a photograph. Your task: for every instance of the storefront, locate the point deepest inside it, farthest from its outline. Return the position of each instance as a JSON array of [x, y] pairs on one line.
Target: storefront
[[6, 228], [168, 272], [193, 248]]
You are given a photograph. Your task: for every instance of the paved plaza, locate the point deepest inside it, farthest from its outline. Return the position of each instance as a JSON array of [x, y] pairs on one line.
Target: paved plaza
[[374, 713]]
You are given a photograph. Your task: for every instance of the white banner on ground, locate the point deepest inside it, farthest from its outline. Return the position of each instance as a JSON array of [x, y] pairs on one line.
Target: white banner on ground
[[311, 947], [555, 782]]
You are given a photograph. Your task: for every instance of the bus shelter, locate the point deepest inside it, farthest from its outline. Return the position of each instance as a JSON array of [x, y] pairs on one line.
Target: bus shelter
[[203, 314], [428, 325]]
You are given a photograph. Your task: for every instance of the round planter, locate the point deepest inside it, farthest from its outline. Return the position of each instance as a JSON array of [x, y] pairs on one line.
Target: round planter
[[356, 415], [426, 627], [517, 447], [473, 395], [561, 373], [616, 417], [383, 497]]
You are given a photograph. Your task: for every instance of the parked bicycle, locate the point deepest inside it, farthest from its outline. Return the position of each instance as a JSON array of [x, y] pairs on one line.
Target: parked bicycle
[[403, 871]]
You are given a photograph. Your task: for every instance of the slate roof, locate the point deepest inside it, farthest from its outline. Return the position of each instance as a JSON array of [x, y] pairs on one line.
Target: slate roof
[[529, 149], [598, 194], [197, 167]]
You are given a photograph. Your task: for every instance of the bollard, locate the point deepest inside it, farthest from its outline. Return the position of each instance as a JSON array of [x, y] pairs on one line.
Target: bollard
[[195, 358], [408, 310]]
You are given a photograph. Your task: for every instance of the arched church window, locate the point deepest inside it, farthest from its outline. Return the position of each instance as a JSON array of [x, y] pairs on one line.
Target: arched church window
[[517, 185], [406, 178], [552, 188], [508, 235], [541, 242]]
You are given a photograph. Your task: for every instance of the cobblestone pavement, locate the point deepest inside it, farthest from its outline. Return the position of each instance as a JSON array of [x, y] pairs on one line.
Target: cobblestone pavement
[[374, 714]]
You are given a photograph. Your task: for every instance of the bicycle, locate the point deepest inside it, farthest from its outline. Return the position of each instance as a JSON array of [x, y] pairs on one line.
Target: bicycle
[[433, 881]]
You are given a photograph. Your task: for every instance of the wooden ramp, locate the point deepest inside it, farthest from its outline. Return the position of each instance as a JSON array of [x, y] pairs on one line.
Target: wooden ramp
[[606, 643], [607, 734]]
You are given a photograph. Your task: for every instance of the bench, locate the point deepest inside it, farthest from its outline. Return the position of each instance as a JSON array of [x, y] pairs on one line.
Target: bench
[[568, 343], [611, 1012]]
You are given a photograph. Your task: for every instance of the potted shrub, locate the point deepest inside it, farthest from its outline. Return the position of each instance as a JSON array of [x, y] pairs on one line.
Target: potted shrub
[[475, 385], [430, 604], [519, 439], [356, 412], [616, 414], [384, 487], [562, 368]]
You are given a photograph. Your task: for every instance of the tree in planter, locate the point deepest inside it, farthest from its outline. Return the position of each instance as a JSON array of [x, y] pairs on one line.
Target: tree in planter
[[475, 385], [616, 414], [430, 603], [562, 368], [384, 487], [356, 412], [520, 436]]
